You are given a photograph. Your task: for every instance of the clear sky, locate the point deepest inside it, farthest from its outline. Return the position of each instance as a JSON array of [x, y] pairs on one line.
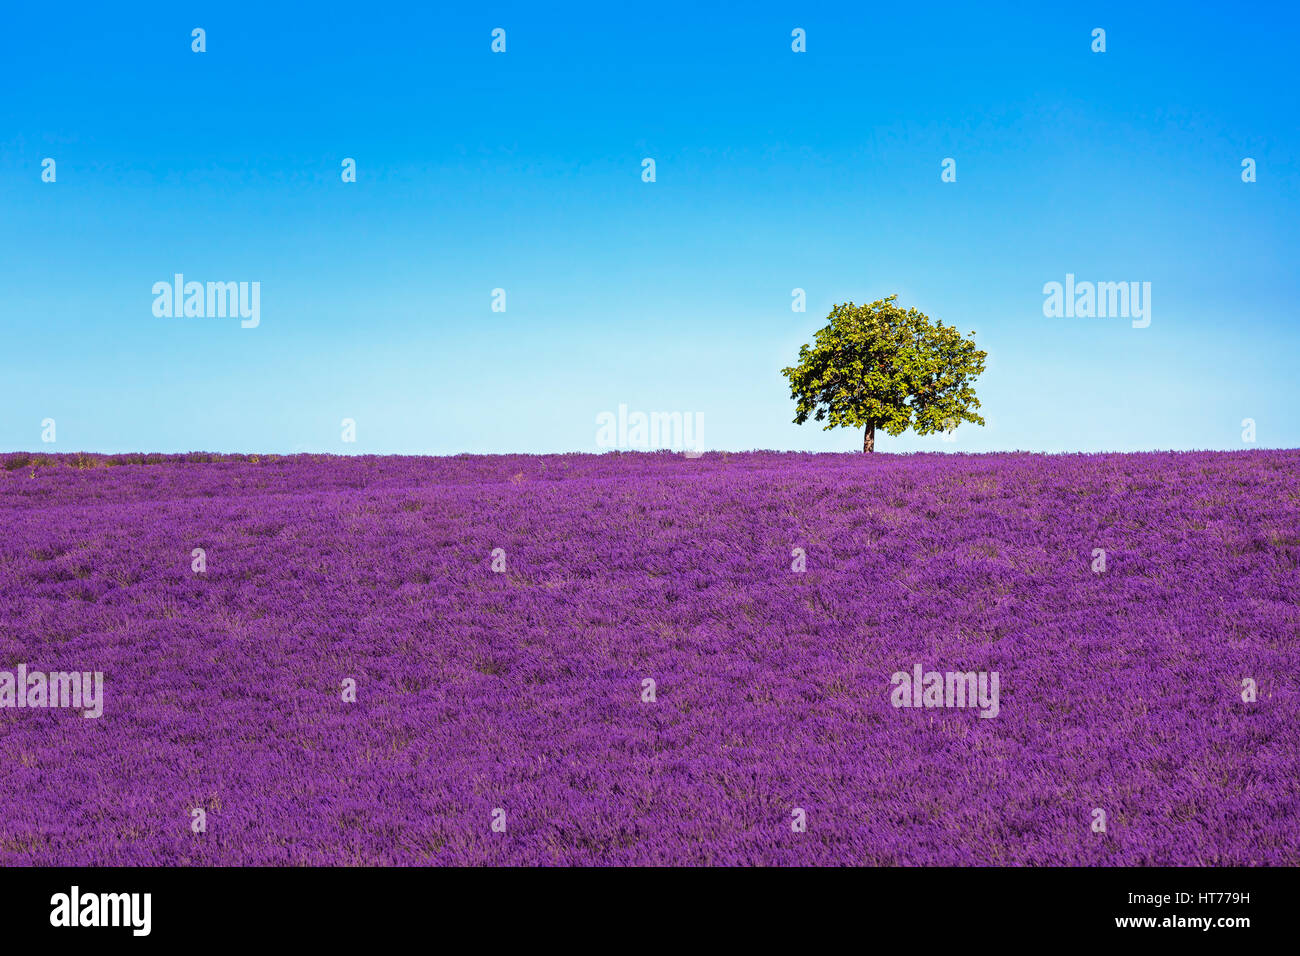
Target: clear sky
[[522, 171]]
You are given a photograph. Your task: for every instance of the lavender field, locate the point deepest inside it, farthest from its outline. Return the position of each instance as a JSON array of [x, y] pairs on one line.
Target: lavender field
[[512, 689]]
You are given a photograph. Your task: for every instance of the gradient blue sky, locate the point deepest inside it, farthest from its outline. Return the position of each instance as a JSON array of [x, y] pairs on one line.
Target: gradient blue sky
[[775, 170]]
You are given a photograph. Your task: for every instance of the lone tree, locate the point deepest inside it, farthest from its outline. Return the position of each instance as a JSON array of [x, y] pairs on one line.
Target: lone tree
[[878, 366]]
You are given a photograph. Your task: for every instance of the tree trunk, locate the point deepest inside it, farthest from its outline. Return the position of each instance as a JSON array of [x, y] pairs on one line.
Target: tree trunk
[[869, 440]]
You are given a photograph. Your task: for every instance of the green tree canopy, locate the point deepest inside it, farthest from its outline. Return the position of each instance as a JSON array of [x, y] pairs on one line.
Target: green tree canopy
[[879, 366]]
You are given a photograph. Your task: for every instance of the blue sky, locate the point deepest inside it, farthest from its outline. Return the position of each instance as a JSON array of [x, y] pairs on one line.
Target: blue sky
[[775, 170]]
